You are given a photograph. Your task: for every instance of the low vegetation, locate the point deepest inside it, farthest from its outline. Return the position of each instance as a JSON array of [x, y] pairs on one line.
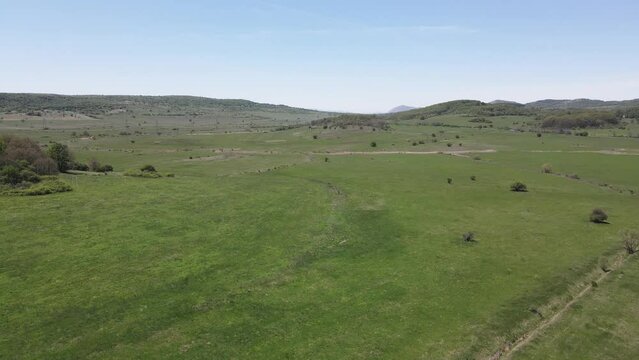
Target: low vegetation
[[519, 187], [598, 216], [630, 240]]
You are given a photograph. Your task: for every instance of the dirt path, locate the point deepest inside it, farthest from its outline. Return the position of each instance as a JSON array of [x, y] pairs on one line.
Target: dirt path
[[604, 152], [508, 351], [452, 152]]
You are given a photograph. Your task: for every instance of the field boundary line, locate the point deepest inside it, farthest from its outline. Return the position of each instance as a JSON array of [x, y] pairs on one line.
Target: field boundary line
[[507, 351]]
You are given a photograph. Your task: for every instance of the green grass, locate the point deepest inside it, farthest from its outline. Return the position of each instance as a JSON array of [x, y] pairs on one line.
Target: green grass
[[259, 248]]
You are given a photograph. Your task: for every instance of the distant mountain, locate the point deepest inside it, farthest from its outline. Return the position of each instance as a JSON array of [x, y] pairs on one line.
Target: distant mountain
[[104, 103], [463, 107], [580, 104], [400, 108]]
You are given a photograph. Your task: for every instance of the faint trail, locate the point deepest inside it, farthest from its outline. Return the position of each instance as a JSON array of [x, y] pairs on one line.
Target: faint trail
[[603, 152], [507, 351], [452, 152]]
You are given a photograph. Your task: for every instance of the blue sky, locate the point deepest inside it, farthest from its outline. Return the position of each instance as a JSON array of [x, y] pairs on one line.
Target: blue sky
[[361, 56]]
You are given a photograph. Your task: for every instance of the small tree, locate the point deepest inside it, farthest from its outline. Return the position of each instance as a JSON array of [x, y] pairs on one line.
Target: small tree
[[519, 187], [373, 144], [61, 155], [630, 241], [598, 216], [45, 166], [449, 180]]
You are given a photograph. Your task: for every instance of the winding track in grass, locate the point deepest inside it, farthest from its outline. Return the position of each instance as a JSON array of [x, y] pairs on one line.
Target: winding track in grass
[[510, 349]]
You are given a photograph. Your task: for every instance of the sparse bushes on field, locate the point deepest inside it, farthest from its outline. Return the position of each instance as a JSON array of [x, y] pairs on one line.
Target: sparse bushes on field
[[146, 171], [95, 166], [142, 174], [546, 169], [630, 240], [598, 216], [519, 187]]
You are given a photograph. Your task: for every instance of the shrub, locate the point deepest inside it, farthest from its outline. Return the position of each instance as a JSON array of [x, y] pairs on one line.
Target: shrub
[[47, 187], [449, 144], [79, 166], [630, 241], [598, 216], [94, 165], [473, 178], [469, 237], [449, 180], [519, 187], [538, 135], [142, 174], [546, 169], [315, 137], [373, 144], [29, 176], [148, 169], [10, 175], [107, 168]]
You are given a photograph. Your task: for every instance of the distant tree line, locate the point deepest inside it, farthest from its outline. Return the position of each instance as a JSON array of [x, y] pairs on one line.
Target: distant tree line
[[572, 119]]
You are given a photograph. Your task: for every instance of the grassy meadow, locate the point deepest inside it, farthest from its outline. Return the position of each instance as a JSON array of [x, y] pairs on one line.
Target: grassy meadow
[[309, 243]]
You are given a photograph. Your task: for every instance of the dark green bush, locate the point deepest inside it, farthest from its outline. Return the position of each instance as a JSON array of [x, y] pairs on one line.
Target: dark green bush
[[598, 216], [148, 169], [518, 187], [469, 237]]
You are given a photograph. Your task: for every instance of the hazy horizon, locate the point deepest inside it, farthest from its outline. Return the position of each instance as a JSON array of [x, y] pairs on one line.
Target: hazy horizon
[[355, 57]]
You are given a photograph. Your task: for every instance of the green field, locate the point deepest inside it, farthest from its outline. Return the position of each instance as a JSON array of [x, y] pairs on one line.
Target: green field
[[272, 244]]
